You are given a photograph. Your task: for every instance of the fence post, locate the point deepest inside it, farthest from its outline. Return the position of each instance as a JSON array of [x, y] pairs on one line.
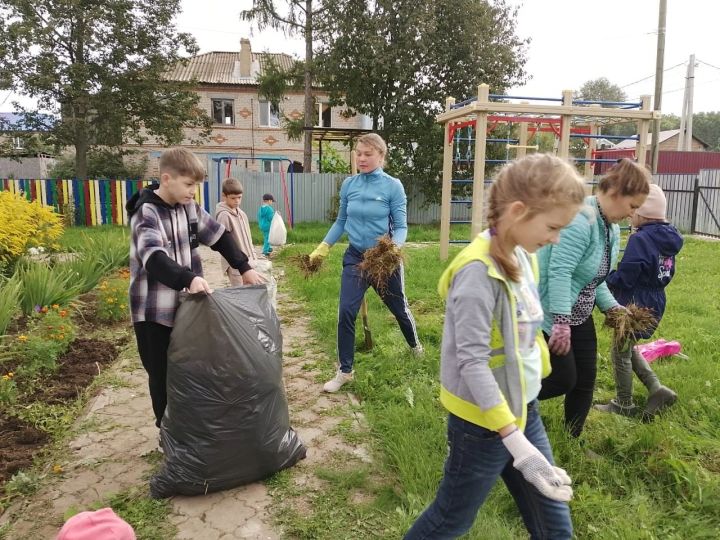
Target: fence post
[[696, 196]]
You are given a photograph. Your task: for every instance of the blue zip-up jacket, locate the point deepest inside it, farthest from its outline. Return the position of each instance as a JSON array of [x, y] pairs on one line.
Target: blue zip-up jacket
[[371, 205], [646, 268], [567, 267]]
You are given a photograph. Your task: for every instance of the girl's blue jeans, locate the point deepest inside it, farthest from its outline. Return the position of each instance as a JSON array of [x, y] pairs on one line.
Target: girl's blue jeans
[[476, 459]]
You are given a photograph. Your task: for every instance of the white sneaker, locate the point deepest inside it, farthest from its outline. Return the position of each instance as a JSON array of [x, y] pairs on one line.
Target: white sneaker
[[418, 350], [338, 381]]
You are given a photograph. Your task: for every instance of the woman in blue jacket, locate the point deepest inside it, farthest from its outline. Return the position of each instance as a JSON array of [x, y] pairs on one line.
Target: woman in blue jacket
[[372, 204], [572, 283], [646, 269]]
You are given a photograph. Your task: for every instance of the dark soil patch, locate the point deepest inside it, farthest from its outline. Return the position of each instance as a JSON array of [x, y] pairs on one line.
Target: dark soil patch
[[77, 368], [19, 442]]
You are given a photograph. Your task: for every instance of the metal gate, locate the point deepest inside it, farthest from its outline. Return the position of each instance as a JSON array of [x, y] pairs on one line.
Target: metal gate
[[706, 204]]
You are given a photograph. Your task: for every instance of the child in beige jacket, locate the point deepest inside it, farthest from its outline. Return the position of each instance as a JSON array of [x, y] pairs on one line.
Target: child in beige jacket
[[229, 214]]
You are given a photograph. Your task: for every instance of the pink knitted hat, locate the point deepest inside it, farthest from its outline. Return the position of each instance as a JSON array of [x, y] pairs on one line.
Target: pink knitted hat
[[655, 204], [103, 524]]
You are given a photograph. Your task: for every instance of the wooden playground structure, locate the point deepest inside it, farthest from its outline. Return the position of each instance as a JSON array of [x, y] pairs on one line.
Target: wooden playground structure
[[567, 118]]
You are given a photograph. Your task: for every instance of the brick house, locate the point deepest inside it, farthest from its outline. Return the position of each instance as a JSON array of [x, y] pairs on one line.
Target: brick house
[[245, 126]]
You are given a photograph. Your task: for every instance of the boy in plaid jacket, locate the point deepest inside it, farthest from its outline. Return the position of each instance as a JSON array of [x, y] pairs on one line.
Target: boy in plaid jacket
[[167, 227]]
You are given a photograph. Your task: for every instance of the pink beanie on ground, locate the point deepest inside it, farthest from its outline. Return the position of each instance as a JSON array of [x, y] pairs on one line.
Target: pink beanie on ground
[[655, 204], [103, 524]]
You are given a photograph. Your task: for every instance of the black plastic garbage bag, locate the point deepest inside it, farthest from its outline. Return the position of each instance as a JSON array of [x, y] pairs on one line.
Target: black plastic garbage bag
[[226, 421]]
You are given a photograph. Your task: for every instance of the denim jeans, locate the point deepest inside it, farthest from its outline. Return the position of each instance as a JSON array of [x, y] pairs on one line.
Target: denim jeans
[[476, 459]]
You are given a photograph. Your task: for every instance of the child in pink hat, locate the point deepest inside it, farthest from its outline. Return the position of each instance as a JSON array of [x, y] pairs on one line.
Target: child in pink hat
[[103, 524], [645, 270]]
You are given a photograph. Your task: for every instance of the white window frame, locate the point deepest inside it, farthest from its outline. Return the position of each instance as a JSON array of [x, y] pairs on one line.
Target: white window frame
[[224, 102], [269, 114], [322, 105], [271, 166], [18, 143]]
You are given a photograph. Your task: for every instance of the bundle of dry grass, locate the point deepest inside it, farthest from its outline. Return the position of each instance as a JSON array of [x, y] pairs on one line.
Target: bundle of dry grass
[[628, 322], [380, 262], [306, 265]]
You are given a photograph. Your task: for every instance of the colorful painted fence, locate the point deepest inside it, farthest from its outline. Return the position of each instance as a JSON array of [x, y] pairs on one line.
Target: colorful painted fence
[[95, 202]]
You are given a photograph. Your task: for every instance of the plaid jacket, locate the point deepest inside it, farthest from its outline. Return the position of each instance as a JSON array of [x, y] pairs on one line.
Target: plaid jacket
[[175, 230]]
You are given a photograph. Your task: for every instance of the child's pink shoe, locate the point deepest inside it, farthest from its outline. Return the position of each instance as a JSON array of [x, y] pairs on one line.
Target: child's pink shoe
[[659, 348]]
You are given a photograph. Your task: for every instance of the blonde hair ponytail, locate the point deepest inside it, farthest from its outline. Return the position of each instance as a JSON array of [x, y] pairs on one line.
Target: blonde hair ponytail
[[541, 182]]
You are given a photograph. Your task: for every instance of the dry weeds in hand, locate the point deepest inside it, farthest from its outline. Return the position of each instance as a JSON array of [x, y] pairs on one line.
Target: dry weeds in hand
[[307, 266], [628, 322], [380, 262]]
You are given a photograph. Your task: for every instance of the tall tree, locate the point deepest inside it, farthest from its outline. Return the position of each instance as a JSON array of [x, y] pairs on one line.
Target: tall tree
[[397, 61], [299, 19], [98, 66], [706, 127], [603, 90]]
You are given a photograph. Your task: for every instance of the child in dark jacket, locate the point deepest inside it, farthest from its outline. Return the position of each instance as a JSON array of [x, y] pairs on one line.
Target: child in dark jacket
[[641, 277]]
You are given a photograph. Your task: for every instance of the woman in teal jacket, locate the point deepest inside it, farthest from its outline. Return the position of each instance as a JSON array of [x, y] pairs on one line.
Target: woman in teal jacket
[[572, 283]]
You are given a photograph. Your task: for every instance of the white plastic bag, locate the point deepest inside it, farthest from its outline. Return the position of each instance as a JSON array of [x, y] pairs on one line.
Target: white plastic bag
[[278, 232]]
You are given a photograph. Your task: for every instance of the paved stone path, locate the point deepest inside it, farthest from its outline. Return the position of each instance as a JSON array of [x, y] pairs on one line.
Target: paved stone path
[[113, 438]]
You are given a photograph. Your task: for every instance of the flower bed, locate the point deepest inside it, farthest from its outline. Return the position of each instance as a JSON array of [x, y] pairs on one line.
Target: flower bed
[[56, 309]]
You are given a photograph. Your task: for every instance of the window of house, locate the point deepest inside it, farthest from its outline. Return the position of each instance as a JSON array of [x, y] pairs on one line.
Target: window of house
[[269, 114], [271, 166], [223, 111], [324, 115], [18, 143]]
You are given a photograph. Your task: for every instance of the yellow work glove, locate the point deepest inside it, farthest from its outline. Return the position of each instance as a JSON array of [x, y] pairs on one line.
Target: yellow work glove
[[321, 251]]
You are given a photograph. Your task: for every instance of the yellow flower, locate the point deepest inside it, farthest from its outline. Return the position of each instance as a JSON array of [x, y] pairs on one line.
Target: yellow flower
[[55, 306], [110, 300], [61, 336], [57, 469], [44, 309], [22, 338], [5, 378]]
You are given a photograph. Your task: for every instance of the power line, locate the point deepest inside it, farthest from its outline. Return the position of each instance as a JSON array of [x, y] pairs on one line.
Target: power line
[[653, 75], [709, 65]]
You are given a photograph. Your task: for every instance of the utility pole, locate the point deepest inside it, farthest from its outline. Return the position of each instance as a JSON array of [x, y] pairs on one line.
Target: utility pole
[[659, 62], [686, 120]]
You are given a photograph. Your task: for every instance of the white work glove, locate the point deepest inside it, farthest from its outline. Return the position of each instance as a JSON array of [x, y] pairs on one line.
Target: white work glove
[[551, 481]]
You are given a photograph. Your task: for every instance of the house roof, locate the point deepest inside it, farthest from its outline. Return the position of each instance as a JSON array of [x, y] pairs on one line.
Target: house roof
[[662, 136], [224, 67]]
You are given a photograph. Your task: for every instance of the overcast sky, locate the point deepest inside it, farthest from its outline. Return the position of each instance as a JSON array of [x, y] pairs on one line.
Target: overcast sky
[[572, 41]]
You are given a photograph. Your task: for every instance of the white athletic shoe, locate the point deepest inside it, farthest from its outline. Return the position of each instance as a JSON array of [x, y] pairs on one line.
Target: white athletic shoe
[[418, 350], [338, 381]]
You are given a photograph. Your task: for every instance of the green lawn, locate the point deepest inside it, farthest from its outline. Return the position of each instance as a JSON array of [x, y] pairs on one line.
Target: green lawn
[[659, 480]]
